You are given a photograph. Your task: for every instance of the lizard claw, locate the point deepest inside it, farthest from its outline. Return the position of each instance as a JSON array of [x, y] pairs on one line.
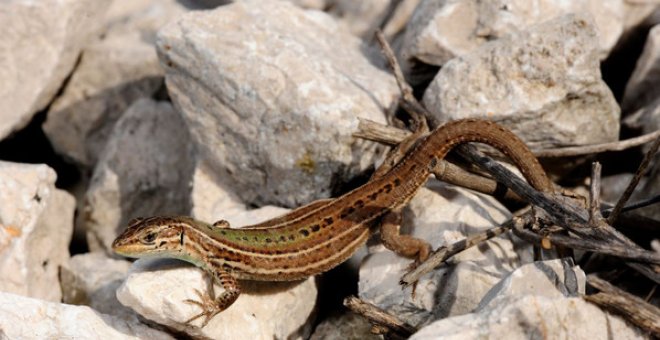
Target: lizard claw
[[209, 308]]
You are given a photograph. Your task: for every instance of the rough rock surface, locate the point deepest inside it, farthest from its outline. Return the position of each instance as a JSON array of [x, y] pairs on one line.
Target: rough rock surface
[[92, 279], [442, 217], [144, 170], [275, 127], [114, 71], [36, 223], [644, 84], [345, 326], [27, 318], [442, 30], [31, 73], [264, 310], [544, 84], [532, 316]]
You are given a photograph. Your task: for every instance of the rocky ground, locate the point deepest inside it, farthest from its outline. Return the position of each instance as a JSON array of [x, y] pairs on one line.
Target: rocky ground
[[110, 110]]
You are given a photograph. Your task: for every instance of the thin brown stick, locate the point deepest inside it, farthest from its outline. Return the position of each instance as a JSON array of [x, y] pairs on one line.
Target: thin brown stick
[[632, 308], [443, 253], [379, 317], [634, 181], [597, 148], [594, 194]]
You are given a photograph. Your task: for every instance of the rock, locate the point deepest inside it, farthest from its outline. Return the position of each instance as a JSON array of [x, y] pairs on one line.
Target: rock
[[442, 30], [36, 223], [211, 201], [544, 84], [92, 279], [642, 88], [272, 103], [532, 316], [441, 217], [144, 170], [32, 73], [552, 278], [362, 18], [114, 72], [27, 318], [264, 310], [344, 326]]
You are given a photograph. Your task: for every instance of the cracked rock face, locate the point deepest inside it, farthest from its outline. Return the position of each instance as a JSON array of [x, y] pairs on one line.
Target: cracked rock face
[[272, 103]]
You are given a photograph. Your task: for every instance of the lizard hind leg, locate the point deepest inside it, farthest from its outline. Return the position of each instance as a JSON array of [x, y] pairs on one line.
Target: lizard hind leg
[[404, 245], [212, 305]]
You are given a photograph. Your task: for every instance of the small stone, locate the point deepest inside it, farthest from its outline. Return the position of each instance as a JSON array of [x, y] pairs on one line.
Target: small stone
[[27, 318], [344, 326], [39, 45], [264, 310], [544, 84], [533, 316], [144, 170], [442, 30], [362, 18], [92, 279], [271, 94], [36, 223], [114, 71]]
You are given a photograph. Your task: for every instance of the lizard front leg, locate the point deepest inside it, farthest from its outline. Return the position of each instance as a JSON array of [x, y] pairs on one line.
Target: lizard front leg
[[210, 304]]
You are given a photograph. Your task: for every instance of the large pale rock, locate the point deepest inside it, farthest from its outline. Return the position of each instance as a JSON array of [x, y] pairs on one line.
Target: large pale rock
[[39, 45], [362, 18], [443, 217], [26, 318], [92, 279], [544, 84], [264, 310], [643, 86], [442, 30], [36, 223], [144, 170], [533, 317], [347, 325], [271, 93], [114, 71]]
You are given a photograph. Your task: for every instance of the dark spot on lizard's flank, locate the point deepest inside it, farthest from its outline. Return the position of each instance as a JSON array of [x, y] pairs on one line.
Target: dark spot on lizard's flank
[[373, 196], [387, 187], [304, 232], [245, 238], [223, 232], [397, 182], [283, 238], [269, 240], [328, 221], [433, 162], [292, 237], [316, 228], [359, 203], [162, 243]]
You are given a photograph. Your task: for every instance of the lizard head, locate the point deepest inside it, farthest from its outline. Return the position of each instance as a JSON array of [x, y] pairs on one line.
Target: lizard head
[[152, 236]]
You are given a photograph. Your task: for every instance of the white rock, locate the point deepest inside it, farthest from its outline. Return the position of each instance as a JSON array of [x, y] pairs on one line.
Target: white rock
[[27, 318], [264, 310], [145, 170], [552, 278], [36, 223], [271, 93], [210, 199], [362, 18], [535, 317], [442, 30], [544, 84], [113, 72], [441, 218], [643, 88], [92, 279], [31, 73]]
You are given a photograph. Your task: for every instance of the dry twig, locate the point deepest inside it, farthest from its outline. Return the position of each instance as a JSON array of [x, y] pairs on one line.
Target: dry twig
[[395, 327]]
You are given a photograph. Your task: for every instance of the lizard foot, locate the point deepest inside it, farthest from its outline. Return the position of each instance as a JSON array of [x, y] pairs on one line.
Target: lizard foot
[[209, 308]]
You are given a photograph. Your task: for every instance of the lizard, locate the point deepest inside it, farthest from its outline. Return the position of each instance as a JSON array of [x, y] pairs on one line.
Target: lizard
[[321, 235]]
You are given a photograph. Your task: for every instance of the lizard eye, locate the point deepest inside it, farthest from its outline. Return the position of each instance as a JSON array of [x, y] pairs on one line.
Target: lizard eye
[[149, 238]]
